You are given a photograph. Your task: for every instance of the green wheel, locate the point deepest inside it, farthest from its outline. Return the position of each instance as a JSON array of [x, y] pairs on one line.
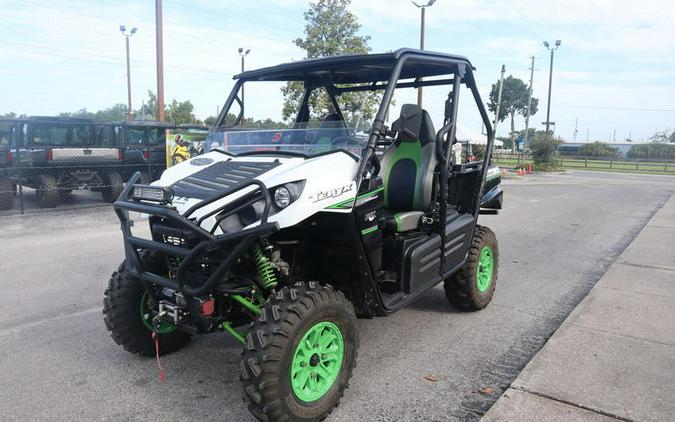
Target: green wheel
[[299, 354], [472, 287], [317, 361]]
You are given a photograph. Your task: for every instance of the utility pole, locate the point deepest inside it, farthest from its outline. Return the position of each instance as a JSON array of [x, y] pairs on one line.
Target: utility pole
[[529, 104], [499, 104], [614, 136], [123, 30], [422, 23], [587, 132], [160, 60], [550, 82], [576, 125]]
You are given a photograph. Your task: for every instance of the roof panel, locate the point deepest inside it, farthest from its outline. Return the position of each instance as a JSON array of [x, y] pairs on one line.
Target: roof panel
[[359, 68]]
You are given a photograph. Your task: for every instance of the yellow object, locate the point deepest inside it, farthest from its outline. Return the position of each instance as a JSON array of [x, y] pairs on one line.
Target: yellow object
[[180, 153]]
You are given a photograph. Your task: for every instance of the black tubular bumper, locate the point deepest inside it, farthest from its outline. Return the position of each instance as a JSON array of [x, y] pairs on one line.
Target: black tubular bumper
[[237, 242]]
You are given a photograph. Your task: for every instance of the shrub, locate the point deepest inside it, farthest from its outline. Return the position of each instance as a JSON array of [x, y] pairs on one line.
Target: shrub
[[599, 149], [545, 151]]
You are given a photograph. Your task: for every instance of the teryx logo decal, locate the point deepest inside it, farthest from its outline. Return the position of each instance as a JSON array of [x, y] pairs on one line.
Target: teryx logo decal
[[331, 193]]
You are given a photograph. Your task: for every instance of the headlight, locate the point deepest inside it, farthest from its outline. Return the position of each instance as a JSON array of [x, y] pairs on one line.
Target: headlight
[[152, 193], [282, 197]]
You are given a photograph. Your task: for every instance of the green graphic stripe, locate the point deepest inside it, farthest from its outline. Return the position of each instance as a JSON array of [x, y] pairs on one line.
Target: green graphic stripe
[[368, 230], [348, 203]]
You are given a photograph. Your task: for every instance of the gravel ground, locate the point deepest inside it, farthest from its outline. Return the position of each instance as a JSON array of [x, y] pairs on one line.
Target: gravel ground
[[558, 234]]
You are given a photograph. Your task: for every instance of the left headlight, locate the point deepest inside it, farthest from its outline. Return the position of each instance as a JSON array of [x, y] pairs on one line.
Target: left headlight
[[286, 194], [162, 194]]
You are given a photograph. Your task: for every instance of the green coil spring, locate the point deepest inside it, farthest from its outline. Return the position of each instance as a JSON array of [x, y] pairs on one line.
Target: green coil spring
[[266, 272]]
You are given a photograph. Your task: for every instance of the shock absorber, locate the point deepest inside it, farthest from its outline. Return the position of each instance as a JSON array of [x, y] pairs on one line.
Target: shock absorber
[[266, 273]]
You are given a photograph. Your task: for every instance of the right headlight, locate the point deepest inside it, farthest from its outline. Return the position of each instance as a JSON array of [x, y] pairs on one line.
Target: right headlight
[[284, 195]]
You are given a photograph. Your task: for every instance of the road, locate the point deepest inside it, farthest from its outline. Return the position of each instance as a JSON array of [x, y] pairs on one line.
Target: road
[[558, 234]]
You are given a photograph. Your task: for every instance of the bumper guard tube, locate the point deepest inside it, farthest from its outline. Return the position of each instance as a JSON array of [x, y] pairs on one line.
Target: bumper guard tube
[[209, 242]]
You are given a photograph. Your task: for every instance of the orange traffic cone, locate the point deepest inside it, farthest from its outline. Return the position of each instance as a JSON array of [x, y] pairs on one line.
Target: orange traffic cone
[[529, 168]]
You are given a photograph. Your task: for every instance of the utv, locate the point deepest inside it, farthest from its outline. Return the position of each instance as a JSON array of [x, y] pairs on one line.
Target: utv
[[283, 237], [55, 155], [143, 145]]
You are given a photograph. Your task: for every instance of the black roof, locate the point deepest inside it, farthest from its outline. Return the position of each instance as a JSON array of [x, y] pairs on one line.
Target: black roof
[[362, 68], [54, 119]]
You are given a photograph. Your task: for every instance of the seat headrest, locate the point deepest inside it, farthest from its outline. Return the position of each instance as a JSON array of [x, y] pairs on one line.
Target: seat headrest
[[409, 122], [414, 124]]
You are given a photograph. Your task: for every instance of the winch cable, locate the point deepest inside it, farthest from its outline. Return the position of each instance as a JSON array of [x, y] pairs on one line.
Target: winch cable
[[155, 339]]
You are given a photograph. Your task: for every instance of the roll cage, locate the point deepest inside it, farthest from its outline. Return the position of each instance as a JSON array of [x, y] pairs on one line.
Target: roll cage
[[403, 68]]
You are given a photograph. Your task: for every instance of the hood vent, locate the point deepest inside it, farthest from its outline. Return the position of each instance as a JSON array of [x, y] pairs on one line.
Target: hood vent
[[219, 177]]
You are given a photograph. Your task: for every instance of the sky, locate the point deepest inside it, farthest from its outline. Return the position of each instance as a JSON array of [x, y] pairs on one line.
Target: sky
[[613, 74]]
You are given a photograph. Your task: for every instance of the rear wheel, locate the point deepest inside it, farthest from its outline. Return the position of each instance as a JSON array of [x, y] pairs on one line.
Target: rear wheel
[[472, 287], [299, 354], [6, 194], [47, 191], [113, 186], [128, 311]]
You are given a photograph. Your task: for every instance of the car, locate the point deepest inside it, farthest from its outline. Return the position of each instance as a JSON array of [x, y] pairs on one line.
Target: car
[[282, 237], [56, 155]]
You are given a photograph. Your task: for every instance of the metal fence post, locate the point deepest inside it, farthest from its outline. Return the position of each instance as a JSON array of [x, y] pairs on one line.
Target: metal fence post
[[586, 162], [610, 163], [21, 197], [637, 164]]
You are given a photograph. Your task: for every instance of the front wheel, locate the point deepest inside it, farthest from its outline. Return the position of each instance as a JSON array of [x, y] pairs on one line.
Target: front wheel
[[128, 311], [472, 287], [300, 353]]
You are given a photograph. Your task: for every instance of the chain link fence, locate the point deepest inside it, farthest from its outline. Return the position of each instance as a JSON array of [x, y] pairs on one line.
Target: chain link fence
[[45, 161]]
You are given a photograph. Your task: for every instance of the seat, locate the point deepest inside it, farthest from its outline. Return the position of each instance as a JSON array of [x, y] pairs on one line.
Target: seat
[[408, 170]]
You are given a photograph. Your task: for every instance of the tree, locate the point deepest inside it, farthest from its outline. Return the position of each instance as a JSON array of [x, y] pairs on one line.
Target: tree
[[181, 112], [666, 135], [149, 109], [514, 101], [599, 149], [210, 121], [544, 151], [330, 30], [110, 114]]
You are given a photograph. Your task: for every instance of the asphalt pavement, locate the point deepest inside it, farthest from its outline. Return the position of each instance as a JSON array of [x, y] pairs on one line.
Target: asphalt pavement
[[558, 235]]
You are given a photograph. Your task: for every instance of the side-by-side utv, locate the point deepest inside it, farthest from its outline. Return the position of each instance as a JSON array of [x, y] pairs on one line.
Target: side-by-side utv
[[283, 237]]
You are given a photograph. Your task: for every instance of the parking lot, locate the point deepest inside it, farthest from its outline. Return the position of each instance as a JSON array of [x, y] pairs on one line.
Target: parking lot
[[558, 234]]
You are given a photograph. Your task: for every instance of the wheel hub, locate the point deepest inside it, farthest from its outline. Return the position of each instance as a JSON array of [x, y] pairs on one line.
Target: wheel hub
[[485, 268], [317, 361]]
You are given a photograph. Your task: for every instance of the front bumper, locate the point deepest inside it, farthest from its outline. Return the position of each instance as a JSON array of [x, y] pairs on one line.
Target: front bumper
[[202, 242]]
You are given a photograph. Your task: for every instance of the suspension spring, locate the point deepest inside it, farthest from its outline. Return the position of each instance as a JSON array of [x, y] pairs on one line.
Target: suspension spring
[[266, 272]]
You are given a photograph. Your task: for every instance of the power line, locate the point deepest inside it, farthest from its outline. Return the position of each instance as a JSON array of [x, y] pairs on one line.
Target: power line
[[100, 58], [658, 110]]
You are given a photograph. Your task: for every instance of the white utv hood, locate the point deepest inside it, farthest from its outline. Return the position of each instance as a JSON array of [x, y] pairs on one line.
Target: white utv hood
[[328, 180]]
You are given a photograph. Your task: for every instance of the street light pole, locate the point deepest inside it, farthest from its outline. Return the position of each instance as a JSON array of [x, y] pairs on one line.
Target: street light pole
[[123, 30], [550, 83], [422, 24], [243, 55]]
